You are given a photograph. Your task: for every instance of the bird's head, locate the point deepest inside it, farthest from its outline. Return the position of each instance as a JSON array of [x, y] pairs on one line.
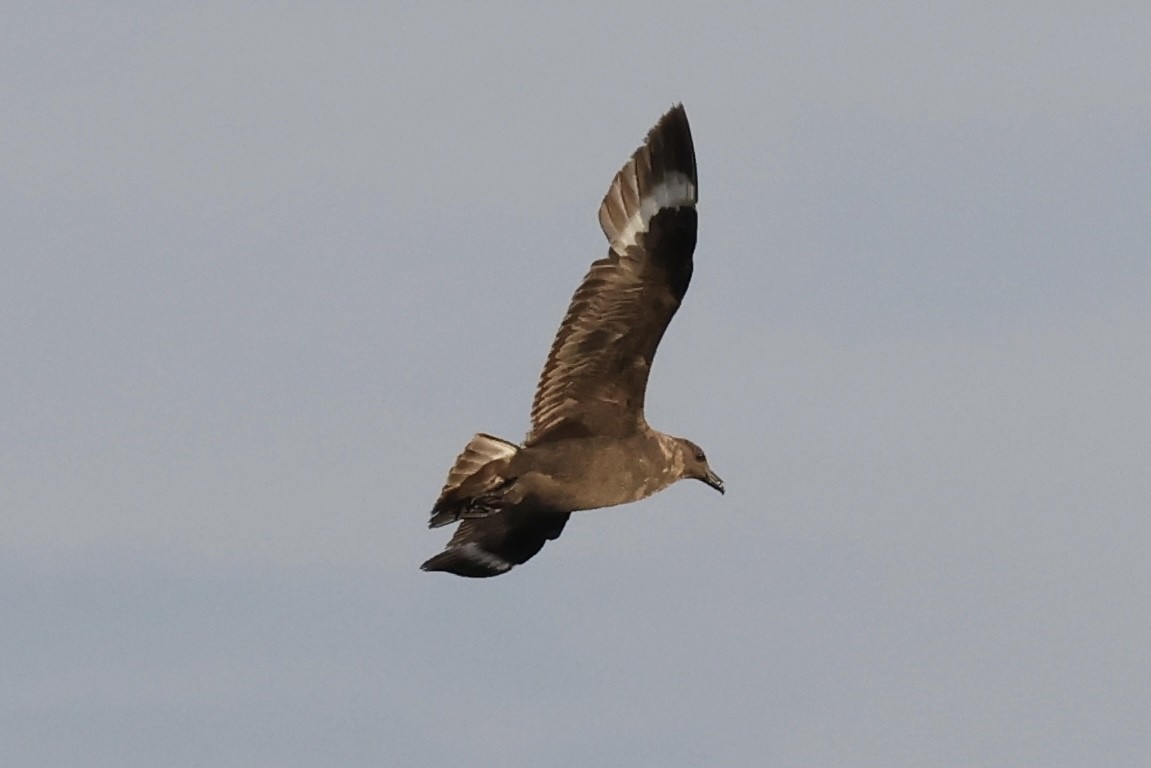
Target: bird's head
[[695, 464]]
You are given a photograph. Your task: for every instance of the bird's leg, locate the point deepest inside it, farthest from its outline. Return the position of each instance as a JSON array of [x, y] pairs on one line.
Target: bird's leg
[[487, 503]]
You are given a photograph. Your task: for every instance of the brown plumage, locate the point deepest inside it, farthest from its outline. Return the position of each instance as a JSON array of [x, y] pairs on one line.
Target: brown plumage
[[589, 444]]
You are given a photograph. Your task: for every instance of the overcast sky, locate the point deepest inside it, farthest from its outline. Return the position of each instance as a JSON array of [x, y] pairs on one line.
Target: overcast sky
[[265, 268]]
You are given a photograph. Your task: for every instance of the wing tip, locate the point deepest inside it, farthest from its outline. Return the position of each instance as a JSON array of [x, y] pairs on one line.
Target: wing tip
[[468, 560], [660, 174]]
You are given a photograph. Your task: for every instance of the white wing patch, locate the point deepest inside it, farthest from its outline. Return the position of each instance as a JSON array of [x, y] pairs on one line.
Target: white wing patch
[[674, 191], [473, 552]]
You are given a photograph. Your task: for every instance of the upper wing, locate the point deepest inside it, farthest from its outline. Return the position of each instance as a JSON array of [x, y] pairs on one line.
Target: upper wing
[[596, 373]]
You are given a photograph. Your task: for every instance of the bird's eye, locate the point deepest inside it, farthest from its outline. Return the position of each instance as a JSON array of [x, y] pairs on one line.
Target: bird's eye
[[699, 456]]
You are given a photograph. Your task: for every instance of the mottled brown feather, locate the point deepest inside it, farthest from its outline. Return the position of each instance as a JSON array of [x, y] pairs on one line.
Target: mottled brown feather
[[596, 373]]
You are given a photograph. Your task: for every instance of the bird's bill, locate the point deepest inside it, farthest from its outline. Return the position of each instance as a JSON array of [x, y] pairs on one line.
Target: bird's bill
[[713, 480]]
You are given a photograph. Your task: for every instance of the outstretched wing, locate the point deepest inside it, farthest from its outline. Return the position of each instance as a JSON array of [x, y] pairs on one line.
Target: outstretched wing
[[489, 546], [596, 373]]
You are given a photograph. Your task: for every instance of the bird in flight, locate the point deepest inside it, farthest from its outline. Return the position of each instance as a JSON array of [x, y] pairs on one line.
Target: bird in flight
[[590, 445]]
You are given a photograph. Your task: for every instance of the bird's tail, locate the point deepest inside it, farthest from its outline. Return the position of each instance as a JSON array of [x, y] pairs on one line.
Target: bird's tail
[[474, 480]]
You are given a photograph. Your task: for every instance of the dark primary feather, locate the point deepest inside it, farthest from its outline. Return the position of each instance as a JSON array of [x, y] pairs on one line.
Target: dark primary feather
[[594, 380], [490, 546]]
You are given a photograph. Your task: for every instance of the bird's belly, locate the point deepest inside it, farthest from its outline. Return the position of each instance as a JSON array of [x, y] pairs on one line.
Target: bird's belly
[[599, 485]]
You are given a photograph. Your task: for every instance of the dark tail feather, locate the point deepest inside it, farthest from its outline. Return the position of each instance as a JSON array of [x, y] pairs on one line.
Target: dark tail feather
[[473, 480]]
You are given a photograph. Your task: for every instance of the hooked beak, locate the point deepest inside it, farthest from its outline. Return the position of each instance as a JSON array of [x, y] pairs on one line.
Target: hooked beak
[[713, 480]]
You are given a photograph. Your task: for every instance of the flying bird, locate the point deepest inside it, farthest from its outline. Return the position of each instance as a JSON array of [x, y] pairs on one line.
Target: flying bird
[[590, 445]]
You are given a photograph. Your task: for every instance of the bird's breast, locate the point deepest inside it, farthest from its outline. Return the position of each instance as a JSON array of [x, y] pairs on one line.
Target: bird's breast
[[591, 474]]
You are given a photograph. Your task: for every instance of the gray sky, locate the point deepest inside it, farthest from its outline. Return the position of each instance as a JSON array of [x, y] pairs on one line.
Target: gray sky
[[267, 267]]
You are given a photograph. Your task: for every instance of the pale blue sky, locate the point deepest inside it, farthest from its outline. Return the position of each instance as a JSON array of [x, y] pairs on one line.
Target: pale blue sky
[[267, 267]]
